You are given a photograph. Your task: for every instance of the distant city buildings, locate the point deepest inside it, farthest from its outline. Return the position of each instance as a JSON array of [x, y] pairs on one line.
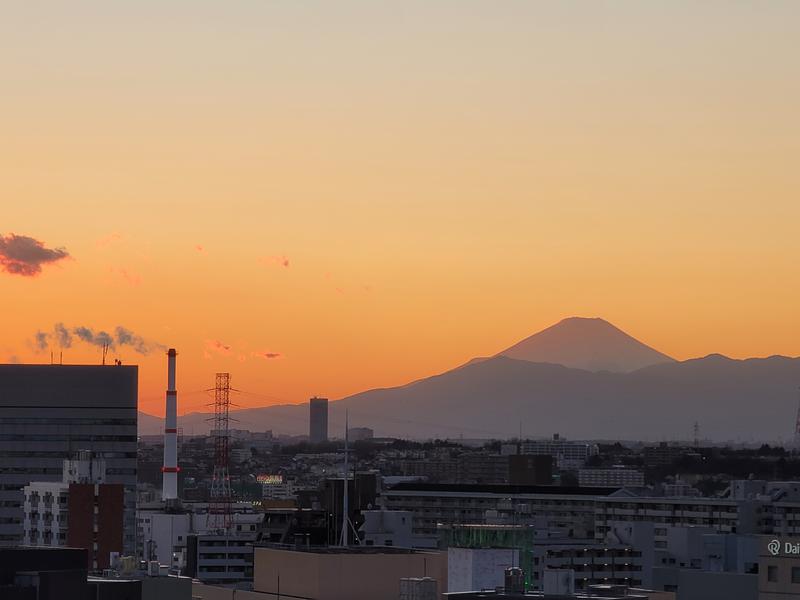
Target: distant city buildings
[[567, 454], [614, 477], [358, 434], [318, 420]]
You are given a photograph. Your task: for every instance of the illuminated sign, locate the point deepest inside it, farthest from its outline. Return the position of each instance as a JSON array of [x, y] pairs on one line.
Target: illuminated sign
[[270, 479]]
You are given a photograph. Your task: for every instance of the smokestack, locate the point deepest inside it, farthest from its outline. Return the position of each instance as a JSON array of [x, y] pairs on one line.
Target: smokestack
[[169, 486]]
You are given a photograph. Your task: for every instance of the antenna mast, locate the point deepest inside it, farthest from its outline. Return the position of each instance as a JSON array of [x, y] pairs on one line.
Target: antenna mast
[[345, 507], [797, 424]]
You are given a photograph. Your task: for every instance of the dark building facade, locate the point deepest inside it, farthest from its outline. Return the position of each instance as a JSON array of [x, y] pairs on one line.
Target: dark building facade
[[95, 520], [318, 420], [530, 469], [43, 574], [47, 414]]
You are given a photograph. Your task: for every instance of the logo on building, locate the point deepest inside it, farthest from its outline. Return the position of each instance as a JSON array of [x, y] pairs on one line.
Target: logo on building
[[774, 547]]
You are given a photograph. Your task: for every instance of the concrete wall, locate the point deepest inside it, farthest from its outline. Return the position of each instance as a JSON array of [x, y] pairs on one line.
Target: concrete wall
[[209, 592], [705, 585], [473, 569]]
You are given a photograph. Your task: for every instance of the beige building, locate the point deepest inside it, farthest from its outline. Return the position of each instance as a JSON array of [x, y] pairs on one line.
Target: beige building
[[356, 573], [360, 573], [779, 568]]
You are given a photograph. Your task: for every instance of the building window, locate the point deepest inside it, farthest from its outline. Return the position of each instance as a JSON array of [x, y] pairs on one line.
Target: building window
[[772, 573], [795, 574]]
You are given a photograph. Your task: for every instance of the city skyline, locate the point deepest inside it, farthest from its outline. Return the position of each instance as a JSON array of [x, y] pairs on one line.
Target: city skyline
[[327, 201]]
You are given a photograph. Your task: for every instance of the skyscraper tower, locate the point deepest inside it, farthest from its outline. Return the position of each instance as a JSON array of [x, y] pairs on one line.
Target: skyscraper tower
[[169, 481], [318, 420]]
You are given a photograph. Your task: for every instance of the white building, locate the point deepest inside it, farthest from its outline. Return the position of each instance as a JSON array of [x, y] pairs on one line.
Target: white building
[[473, 569], [219, 559], [163, 535], [387, 528], [566, 453], [45, 502]]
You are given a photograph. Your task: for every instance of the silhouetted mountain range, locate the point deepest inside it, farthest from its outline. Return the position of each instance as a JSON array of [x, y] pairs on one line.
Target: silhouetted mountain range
[[608, 398], [590, 344]]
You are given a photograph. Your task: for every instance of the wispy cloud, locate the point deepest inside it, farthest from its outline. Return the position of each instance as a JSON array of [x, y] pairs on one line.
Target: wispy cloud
[[23, 255], [267, 355], [130, 277], [276, 261], [109, 239], [216, 347]]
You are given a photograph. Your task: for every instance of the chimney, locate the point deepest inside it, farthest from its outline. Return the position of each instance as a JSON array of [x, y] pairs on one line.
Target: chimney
[[169, 486]]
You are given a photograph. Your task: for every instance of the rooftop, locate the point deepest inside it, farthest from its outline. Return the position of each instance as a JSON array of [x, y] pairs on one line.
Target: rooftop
[[500, 488]]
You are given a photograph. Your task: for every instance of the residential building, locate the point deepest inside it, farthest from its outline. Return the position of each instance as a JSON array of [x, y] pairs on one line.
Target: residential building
[[567, 454], [614, 477], [81, 511], [219, 559]]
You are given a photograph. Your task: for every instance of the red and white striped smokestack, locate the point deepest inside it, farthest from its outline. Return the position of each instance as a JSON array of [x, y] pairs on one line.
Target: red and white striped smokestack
[[169, 486]]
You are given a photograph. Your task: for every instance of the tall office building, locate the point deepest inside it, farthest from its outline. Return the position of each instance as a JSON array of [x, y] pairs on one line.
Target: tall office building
[[50, 412], [318, 420]]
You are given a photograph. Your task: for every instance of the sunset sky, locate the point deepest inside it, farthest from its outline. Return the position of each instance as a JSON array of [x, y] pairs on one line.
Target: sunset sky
[[325, 197]]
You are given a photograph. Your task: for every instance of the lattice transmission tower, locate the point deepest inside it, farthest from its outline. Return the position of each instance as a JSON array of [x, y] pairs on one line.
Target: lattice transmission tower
[[219, 510]]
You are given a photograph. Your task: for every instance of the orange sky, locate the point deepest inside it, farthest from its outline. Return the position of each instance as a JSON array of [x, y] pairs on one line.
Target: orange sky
[[443, 179]]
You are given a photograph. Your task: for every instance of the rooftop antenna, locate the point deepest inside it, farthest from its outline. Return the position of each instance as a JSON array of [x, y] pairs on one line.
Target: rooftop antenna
[[345, 507]]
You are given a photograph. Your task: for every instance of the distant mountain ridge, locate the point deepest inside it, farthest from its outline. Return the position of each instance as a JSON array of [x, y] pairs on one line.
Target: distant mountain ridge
[[752, 399]]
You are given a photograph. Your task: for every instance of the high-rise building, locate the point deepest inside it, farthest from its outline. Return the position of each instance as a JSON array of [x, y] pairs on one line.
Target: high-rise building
[[47, 414], [318, 420]]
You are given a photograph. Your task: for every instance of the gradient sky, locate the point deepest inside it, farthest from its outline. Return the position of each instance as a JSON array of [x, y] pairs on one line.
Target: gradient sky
[[442, 179]]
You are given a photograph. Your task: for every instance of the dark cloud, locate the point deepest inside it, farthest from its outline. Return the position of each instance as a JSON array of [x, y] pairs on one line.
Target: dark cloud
[[268, 355], [23, 255]]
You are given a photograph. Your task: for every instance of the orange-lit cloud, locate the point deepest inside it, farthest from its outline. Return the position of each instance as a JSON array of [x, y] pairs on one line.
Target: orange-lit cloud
[[127, 275], [266, 355], [216, 347], [23, 255], [109, 239], [276, 261]]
